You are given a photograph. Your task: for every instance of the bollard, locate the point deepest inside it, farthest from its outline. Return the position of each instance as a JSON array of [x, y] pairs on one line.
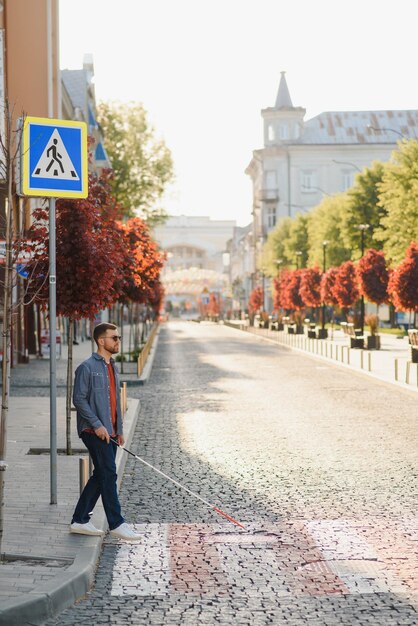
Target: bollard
[[83, 466], [409, 364], [396, 370]]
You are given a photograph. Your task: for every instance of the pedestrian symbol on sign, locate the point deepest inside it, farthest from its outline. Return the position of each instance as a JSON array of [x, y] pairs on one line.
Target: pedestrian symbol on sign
[[54, 161]]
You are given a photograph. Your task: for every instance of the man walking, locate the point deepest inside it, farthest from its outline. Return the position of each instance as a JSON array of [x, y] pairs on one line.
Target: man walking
[[97, 400]]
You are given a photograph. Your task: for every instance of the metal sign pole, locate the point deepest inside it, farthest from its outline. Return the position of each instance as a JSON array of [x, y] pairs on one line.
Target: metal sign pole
[[52, 352], [53, 164]]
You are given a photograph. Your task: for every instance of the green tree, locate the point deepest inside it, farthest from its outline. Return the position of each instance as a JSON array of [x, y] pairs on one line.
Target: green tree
[[398, 194], [142, 164], [298, 240], [274, 248], [364, 207], [325, 225]]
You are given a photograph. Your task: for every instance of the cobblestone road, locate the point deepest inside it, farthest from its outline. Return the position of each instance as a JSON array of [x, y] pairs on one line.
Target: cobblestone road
[[318, 463]]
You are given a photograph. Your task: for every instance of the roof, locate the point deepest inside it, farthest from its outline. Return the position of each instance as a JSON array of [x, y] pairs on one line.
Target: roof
[[283, 100], [360, 127], [75, 82]]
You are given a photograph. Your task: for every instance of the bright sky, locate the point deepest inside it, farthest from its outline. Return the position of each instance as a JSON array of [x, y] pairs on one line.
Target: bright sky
[[205, 68]]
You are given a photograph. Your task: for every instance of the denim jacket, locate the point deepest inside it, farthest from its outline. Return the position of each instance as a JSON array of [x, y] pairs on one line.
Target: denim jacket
[[91, 395]]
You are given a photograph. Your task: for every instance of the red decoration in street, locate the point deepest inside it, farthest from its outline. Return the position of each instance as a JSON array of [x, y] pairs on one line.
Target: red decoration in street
[[345, 289], [327, 285], [310, 286], [403, 282], [373, 276]]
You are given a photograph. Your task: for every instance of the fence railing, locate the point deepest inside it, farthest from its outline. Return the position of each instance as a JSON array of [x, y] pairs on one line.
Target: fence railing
[[143, 355]]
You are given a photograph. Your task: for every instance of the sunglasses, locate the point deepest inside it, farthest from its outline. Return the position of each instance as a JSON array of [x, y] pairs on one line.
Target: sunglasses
[[114, 337]]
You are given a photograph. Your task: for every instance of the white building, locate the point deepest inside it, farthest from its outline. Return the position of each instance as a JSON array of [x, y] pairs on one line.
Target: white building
[[303, 161], [194, 241], [196, 260]]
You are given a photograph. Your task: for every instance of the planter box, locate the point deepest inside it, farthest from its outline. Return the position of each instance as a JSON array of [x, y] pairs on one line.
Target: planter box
[[280, 326], [291, 330], [299, 329], [357, 342], [311, 333], [322, 333], [373, 342]]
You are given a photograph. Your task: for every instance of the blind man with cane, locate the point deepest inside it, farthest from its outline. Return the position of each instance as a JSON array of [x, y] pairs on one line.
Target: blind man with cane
[[96, 397]]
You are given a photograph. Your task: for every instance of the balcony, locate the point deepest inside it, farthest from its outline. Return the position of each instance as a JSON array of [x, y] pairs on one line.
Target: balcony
[[268, 195]]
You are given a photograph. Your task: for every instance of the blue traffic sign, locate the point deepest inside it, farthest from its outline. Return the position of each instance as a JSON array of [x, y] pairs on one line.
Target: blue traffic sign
[[54, 158]]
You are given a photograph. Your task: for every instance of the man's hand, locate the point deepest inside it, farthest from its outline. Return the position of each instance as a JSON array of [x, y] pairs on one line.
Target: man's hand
[[102, 433], [120, 440]]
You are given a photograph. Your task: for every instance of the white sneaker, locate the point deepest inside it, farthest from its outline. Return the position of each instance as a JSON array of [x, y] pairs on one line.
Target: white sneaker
[[85, 529], [125, 532]]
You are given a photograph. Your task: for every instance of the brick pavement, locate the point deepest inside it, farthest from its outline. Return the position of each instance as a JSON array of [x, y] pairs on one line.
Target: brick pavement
[[318, 462], [52, 568]]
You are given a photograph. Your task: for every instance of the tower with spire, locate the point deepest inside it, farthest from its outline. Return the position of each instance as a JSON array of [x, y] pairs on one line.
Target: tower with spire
[[283, 122]]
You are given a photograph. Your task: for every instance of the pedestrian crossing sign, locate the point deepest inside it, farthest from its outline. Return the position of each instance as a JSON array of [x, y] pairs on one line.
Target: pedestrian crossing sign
[[54, 158]]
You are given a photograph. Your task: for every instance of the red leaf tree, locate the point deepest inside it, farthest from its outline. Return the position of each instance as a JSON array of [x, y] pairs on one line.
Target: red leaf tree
[[213, 306], [310, 286], [256, 300], [327, 286], [156, 297], [345, 289], [139, 276], [292, 292], [143, 261], [373, 276], [403, 282], [281, 290]]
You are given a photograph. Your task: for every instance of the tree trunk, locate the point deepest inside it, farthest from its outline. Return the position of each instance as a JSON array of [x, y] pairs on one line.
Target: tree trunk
[[6, 342], [121, 345], [69, 386], [130, 328], [93, 345]]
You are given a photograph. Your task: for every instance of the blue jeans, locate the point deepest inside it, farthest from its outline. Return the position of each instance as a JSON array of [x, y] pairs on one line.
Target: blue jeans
[[101, 483]]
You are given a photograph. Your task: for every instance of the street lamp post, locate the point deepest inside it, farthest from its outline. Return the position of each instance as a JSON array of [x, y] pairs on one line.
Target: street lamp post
[[392, 130], [323, 332], [362, 228]]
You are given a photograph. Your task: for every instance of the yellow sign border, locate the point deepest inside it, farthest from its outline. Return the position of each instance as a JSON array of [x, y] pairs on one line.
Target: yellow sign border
[[53, 193]]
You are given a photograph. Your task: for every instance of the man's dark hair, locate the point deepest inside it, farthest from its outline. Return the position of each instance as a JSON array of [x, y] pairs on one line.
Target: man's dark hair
[[100, 330]]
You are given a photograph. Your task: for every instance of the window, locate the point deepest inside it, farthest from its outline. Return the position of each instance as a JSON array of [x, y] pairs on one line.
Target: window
[[271, 216], [308, 181], [348, 179], [271, 133], [270, 179], [284, 132]]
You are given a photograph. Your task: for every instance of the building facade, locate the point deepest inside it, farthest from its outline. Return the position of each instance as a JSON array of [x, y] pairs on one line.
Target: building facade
[[194, 242], [197, 259], [303, 161]]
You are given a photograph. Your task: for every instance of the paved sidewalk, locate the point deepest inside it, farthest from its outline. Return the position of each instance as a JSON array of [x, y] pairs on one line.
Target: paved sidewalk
[[46, 568], [335, 348]]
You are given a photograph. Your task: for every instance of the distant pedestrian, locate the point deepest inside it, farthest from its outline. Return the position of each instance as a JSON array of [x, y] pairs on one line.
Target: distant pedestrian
[[97, 400]]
